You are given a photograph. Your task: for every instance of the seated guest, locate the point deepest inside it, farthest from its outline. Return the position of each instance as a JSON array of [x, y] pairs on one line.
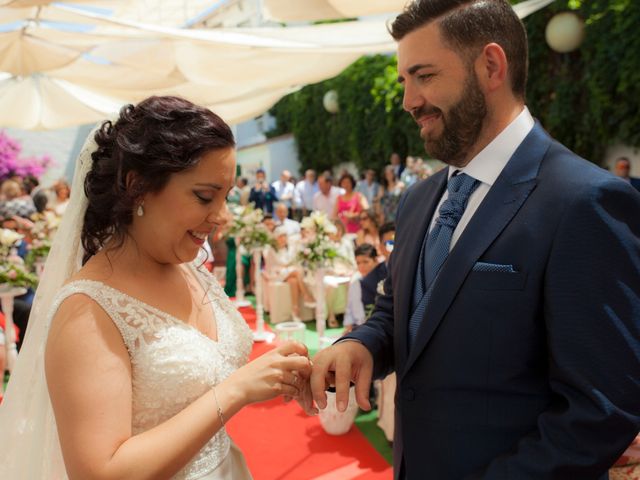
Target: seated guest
[[369, 230], [372, 282], [282, 213], [14, 203], [280, 266], [366, 260], [62, 193], [346, 261], [269, 222], [343, 266]]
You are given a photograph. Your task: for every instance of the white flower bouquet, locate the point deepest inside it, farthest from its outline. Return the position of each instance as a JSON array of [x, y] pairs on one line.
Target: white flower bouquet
[[317, 250], [12, 271], [248, 229], [42, 233]]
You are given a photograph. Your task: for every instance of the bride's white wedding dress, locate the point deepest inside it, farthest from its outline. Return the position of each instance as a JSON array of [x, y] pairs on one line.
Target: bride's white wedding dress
[[173, 364]]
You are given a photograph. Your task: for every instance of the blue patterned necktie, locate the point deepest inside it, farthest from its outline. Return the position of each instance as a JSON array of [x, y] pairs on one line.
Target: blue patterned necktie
[[435, 248]]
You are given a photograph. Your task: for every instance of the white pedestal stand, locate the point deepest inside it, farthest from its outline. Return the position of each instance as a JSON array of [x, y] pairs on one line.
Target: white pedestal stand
[[321, 313], [260, 334], [6, 298], [240, 300]]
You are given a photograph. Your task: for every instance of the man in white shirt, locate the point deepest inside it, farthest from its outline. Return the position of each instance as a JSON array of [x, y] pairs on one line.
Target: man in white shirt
[[304, 193], [325, 200], [291, 227], [284, 188], [514, 333]]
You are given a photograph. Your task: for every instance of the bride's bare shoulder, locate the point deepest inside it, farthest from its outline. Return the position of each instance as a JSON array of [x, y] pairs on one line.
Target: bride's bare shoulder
[[79, 309], [80, 316]]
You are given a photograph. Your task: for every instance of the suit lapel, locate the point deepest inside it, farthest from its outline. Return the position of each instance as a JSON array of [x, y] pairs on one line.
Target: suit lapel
[[416, 216], [504, 199]]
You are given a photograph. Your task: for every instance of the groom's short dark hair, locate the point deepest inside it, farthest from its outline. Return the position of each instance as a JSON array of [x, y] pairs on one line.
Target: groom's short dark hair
[[467, 26]]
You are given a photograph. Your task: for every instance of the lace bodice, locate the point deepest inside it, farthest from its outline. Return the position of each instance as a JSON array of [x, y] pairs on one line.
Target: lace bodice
[[172, 362]]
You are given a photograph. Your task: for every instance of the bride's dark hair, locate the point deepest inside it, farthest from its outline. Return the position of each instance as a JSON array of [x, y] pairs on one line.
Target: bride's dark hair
[[154, 139]]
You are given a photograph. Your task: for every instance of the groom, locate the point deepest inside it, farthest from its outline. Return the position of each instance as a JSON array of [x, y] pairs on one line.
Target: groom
[[511, 313]]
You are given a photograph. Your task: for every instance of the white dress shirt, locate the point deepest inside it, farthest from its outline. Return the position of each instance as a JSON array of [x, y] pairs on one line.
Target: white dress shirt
[[304, 193], [290, 226], [487, 167], [284, 191], [354, 313], [326, 203]]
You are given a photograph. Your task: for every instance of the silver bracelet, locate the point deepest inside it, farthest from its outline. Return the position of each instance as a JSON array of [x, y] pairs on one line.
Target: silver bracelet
[[220, 415]]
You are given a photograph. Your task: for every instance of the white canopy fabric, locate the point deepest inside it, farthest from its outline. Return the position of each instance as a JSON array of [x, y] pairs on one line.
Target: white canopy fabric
[[307, 10], [64, 65]]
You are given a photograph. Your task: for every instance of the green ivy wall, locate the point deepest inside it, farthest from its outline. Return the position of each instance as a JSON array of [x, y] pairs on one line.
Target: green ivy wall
[[587, 99]]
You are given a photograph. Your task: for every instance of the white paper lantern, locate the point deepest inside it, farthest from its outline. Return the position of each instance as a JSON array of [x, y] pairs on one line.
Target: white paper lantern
[[330, 102], [565, 32]]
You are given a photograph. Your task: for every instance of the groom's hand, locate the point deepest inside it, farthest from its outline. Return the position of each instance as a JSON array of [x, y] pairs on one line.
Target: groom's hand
[[338, 366]]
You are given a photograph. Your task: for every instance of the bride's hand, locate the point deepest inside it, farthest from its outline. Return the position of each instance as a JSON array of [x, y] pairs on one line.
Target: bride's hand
[[282, 371], [305, 399]]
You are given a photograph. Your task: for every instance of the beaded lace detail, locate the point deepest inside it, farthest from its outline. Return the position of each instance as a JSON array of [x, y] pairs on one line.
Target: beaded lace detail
[[173, 363]]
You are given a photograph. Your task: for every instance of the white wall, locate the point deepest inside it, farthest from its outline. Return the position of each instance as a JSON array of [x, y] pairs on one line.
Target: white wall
[[273, 156]]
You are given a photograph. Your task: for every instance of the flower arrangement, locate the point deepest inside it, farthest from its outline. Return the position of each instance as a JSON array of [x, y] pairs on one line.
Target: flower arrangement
[[317, 250], [8, 239], [12, 271], [11, 163], [38, 252], [248, 229], [13, 275], [42, 231]]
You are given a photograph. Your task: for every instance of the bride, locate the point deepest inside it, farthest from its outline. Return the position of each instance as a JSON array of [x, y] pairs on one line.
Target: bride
[[143, 354]]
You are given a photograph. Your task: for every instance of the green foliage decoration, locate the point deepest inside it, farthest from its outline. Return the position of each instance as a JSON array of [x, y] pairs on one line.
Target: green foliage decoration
[[588, 99], [369, 127]]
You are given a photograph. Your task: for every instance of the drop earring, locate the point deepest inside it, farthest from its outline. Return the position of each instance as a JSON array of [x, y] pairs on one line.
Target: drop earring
[[140, 211]]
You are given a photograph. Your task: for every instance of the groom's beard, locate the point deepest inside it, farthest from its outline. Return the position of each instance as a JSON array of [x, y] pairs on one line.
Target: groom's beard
[[463, 123]]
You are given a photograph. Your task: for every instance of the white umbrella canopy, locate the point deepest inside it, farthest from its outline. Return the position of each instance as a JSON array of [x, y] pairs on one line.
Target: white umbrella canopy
[[311, 10], [305, 10], [34, 103], [24, 54], [63, 65]]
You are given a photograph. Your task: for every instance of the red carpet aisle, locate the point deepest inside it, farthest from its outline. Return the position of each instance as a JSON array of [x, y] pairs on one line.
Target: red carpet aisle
[[281, 443]]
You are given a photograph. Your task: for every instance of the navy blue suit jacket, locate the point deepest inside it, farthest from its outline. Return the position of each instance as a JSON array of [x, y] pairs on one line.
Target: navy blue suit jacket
[[533, 374], [635, 183]]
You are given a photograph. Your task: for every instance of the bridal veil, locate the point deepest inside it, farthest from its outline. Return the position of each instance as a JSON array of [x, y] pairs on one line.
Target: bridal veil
[[29, 446]]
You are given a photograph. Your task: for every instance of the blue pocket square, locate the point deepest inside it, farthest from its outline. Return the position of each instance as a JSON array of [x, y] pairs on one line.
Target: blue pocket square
[[493, 267]]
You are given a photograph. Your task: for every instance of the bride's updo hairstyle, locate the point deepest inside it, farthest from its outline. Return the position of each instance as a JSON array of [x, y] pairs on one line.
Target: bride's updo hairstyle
[[154, 139]]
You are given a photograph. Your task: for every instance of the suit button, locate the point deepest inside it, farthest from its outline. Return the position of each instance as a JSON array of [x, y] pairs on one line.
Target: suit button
[[409, 394]]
